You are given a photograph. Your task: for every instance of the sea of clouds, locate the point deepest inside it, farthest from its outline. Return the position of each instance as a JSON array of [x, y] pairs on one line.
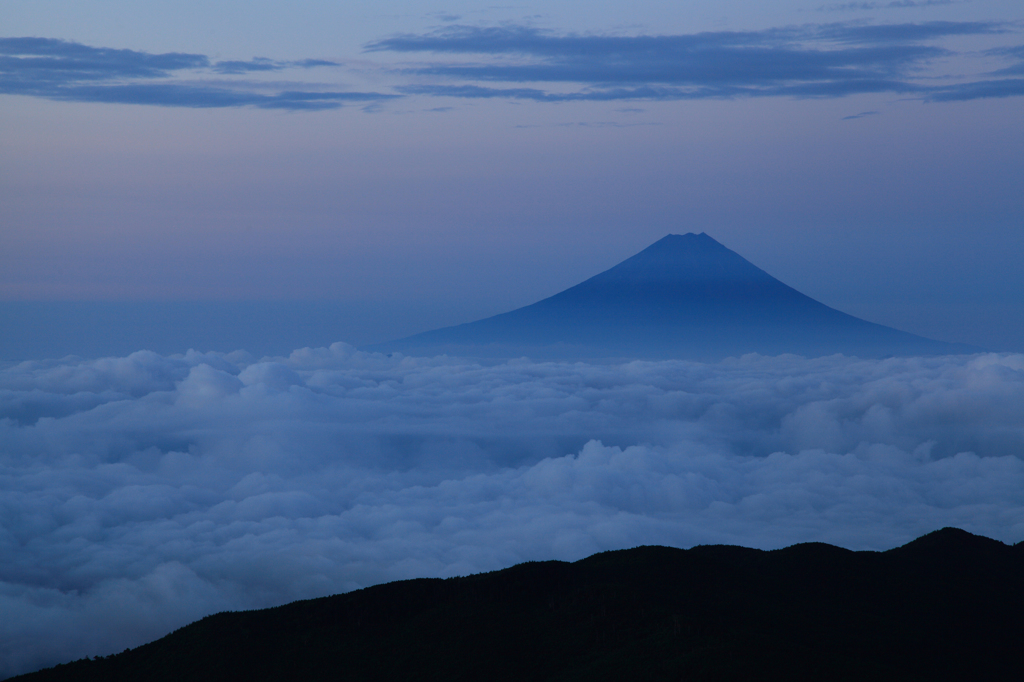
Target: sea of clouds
[[140, 493]]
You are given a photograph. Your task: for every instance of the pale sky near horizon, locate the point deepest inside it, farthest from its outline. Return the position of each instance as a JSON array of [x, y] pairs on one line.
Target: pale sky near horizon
[[465, 159]]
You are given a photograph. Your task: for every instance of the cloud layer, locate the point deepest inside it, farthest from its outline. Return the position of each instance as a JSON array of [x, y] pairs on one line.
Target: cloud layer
[[68, 71], [139, 493], [526, 63], [826, 60]]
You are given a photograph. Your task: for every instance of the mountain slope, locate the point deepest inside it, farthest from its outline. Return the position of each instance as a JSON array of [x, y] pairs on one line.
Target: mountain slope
[[945, 607], [685, 296]]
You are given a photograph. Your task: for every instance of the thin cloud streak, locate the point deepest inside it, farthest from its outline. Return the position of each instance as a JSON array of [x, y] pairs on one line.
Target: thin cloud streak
[[264, 64], [1007, 87], [894, 4], [862, 114]]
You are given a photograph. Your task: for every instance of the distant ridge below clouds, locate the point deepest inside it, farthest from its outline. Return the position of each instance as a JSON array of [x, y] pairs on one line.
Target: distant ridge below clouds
[[685, 296], [945, 606]]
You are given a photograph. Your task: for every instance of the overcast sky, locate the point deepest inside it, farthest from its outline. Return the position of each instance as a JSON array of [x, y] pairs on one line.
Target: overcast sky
[[460, 160]]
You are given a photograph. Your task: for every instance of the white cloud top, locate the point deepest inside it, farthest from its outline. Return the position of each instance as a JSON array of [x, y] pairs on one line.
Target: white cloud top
[[140, 493]]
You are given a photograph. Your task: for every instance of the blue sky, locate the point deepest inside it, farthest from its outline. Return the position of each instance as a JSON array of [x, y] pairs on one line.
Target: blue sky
[[268, 176], [462, 159]]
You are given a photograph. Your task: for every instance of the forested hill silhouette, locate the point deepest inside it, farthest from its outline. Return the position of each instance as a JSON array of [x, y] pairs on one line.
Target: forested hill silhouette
[[685, 296], [947, 606]]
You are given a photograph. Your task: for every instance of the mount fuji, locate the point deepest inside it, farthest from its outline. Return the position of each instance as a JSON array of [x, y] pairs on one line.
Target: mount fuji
[[685, 296]]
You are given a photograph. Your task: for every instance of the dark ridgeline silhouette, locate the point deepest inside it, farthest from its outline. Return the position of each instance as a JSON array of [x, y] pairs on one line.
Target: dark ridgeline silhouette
[[947, 606], [685, 296]]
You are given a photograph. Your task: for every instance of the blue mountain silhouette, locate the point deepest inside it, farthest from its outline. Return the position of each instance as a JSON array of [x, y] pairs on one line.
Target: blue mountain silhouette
[[685, 296]]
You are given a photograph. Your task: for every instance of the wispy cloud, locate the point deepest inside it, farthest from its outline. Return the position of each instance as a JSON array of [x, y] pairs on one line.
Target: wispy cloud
[[862, 114], [827, 60], [1016, 53], [991, 87], [264, 64], [68, 71], [1004, 87], [589, 124], [255, 64], [894, 4]]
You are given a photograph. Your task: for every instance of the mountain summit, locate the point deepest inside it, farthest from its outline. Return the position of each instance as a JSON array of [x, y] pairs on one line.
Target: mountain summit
[[685, 296]]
